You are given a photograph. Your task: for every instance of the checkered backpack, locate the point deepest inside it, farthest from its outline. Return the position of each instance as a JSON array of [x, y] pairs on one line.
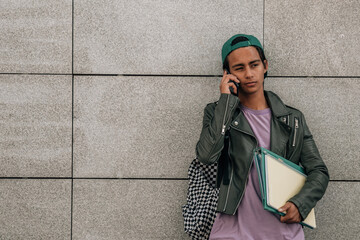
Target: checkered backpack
[[200, 211]]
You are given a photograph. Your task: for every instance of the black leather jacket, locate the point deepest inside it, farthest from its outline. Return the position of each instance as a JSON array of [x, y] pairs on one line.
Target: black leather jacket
[[290, 137]]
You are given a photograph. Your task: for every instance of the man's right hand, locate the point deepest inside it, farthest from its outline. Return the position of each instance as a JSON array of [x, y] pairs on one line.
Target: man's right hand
[[225, 84]]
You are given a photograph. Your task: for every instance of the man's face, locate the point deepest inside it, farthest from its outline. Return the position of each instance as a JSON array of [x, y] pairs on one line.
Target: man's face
[[246, 65]]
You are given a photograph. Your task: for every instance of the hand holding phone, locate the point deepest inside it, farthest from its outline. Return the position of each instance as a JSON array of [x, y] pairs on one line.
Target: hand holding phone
[[230, 84]]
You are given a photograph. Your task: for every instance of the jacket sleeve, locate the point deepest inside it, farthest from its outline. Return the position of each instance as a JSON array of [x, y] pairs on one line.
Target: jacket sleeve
[[318, 175], [216, 120]]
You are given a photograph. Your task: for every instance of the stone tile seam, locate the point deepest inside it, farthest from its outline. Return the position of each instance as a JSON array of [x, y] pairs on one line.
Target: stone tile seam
[[263, 39], [72, 37], [313, 76], [162, 75], [72, 121], [94, 178], [40, 74], [141, 179]]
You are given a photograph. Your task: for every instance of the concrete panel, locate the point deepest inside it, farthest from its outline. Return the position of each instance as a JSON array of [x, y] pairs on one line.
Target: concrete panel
[[138, 126], [159, 37], [35, 209], [143, 209], [338, 214], [331, 107], [35, 36], [128, 209], [35, 126], [312, 38]]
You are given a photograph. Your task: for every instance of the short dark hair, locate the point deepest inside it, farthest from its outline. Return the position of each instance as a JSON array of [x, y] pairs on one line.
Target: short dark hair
[[261, 54]]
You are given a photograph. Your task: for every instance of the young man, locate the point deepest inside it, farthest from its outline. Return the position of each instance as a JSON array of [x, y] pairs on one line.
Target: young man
[[254, 117]]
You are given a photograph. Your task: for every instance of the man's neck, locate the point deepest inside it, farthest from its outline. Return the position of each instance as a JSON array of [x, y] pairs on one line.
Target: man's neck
[[254, 101]]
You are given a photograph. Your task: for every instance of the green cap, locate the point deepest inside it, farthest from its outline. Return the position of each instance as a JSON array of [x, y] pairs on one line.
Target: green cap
[[244, 41]]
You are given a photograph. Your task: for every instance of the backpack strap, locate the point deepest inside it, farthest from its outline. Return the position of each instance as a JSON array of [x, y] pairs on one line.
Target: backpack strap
[[223, 169]]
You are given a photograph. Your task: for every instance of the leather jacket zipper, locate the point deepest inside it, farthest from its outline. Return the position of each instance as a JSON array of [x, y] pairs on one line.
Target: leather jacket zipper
[[223, 123], [295, 131], [231, 177], [287, 123], [232, 172], [247, 178], [223, 133]]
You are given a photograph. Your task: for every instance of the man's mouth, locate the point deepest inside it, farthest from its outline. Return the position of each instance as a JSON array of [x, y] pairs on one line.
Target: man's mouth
[[250, 84]]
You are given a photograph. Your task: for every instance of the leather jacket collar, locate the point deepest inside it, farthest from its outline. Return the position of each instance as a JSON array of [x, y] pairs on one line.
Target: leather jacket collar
[[280, 131], [277, 106]]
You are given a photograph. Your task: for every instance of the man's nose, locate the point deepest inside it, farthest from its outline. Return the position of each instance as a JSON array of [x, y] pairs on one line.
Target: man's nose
[[248, 72]]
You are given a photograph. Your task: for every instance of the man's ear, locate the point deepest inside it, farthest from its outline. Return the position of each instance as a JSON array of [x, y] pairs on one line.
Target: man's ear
[[266, 66]]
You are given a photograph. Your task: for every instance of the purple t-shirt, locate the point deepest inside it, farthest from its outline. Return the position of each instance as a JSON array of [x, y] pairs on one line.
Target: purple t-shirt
[[251, 221]]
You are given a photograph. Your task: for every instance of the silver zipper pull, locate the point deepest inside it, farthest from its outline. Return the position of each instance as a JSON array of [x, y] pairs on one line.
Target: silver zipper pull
[[223, 130]]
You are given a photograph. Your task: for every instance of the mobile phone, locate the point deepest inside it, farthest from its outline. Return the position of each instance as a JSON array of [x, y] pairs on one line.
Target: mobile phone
[[236, 85]]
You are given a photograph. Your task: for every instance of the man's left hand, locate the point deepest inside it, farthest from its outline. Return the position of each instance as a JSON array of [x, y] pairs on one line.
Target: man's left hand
[[292, 213]]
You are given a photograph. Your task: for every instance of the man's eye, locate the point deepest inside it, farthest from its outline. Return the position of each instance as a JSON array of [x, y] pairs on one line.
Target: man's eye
[[239, 69], [255, 65]]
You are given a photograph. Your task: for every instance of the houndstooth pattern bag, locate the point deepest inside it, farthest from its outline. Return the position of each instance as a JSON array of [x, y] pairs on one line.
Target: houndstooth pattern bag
[[200, 211]]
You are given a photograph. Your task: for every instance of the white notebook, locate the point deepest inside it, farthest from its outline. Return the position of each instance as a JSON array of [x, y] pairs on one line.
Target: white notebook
[[280, 180]]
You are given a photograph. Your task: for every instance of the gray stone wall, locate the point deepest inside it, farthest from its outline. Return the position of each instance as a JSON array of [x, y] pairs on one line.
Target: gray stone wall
[[101, 104]]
